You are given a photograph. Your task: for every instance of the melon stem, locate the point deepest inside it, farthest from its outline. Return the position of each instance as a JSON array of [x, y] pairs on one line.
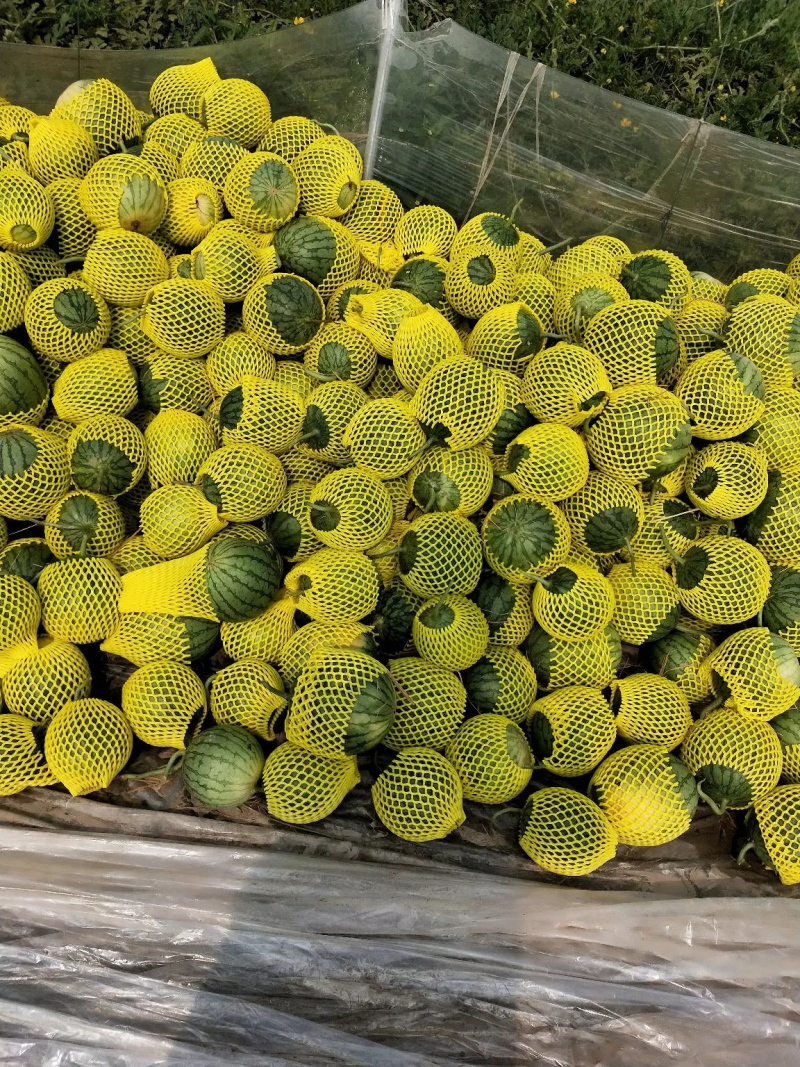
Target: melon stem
[[632, 555], [160, 772], [504, 811], [716, 808], [760, 616], [329, 126], [740, 857], [516, 208], [555, 247], [668, 547]]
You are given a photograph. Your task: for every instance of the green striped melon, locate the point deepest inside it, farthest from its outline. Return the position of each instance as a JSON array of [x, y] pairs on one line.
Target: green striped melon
[[320, 250], [393, 619], [222, 767], [423, 277], [673, 654], [242, 578], [23, 388], [26, 558], [782, 606]]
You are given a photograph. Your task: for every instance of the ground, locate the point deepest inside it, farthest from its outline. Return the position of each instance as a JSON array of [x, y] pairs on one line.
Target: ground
[[733, 62]]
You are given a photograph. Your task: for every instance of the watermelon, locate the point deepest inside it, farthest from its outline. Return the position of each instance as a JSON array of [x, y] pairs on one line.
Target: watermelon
[[423, 277], [222, 767], [391, 624], [26, 558], [782, 606], [242, 578], [23, 388], [319, 250], [756, 841]]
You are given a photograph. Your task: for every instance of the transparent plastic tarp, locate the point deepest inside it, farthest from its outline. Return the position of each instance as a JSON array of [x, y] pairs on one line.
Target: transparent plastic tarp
[[135, 936]]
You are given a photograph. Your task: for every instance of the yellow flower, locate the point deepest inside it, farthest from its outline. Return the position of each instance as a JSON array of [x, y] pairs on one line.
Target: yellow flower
[[553, 94], [602, 51], [626, 122], [723, 118], [572, 1], [617, 104], [621, 29], [299, 20]]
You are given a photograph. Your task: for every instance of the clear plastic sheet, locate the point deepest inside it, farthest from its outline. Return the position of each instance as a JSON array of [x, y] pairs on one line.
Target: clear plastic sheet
[[140, 936]]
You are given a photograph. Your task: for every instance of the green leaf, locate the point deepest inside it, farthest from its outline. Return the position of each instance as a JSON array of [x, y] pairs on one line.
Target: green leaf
[[611, 529], [77, 311], [295, 309], [481, 270], [522, 534], [692, 570], [424, 279], [273, 190], [18, 452]]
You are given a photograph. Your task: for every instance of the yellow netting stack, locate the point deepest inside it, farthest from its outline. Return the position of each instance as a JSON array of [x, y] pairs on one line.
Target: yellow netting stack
[[727, 480], [263, 637], [293, 375], [165, 703], [723, 580], [27, 215], [290, 524], [20, 612], [775, 526], [244, 481], [492, 759], [385, 382], [376, 212], [194, 208], [73, 232], [431, 704], [458, 402], [565, 833], [329, 174], [384, 438], [83, 524], [350, 509], [34, 472], [178, 444], [479, 280], [235, 358], [66, 320], [302, 787], [335, 585], [133, 555], [642, 432], [759, 670], [385, 554], [123, 266], [236, 108], [79, 599], [548, 460], [647, 602], [514, 418], [289, 135], [213, 159], [425, 230], [16, 289], [424, 338], [168, 167], [143, 638], [168, 382], [574, 603], [248, 693], [724, 392], [418, 797], [184, 317], [398, 490], [586, 258], [451, 632], [539, 294], [87, 744], [177, 519], [174, 132], [761, 281], [180, 89], [666, 519], [502, 682], [104, 111], [262, 412], [647, 795], [637, 342], [525, 538], [650, 709], [103, 383], [443, 480], [763, 329], [307, 639], [777, 815], [339, 352], [571, 730], [778, 429], [736, 759], [22, 762], [440, 553], [533, 256], [698, 319], [378, 315], [566, 384], [343, 704]]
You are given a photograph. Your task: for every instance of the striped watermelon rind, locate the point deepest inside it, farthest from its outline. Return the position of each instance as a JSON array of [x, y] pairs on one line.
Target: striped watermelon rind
[[242, 578], [23, 388], [222, 767]]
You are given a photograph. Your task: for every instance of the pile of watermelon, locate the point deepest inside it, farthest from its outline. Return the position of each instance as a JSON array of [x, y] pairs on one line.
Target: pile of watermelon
[[324, 475]]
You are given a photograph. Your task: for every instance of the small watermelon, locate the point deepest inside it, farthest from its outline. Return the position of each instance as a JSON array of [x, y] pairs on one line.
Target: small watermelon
[[23, 388], [222, 767]]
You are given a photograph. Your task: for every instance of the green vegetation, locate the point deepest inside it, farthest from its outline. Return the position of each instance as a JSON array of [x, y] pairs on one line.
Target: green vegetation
[[734, 62]]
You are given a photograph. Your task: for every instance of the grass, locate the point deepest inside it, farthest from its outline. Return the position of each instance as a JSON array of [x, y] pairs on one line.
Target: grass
[[733, 62]]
